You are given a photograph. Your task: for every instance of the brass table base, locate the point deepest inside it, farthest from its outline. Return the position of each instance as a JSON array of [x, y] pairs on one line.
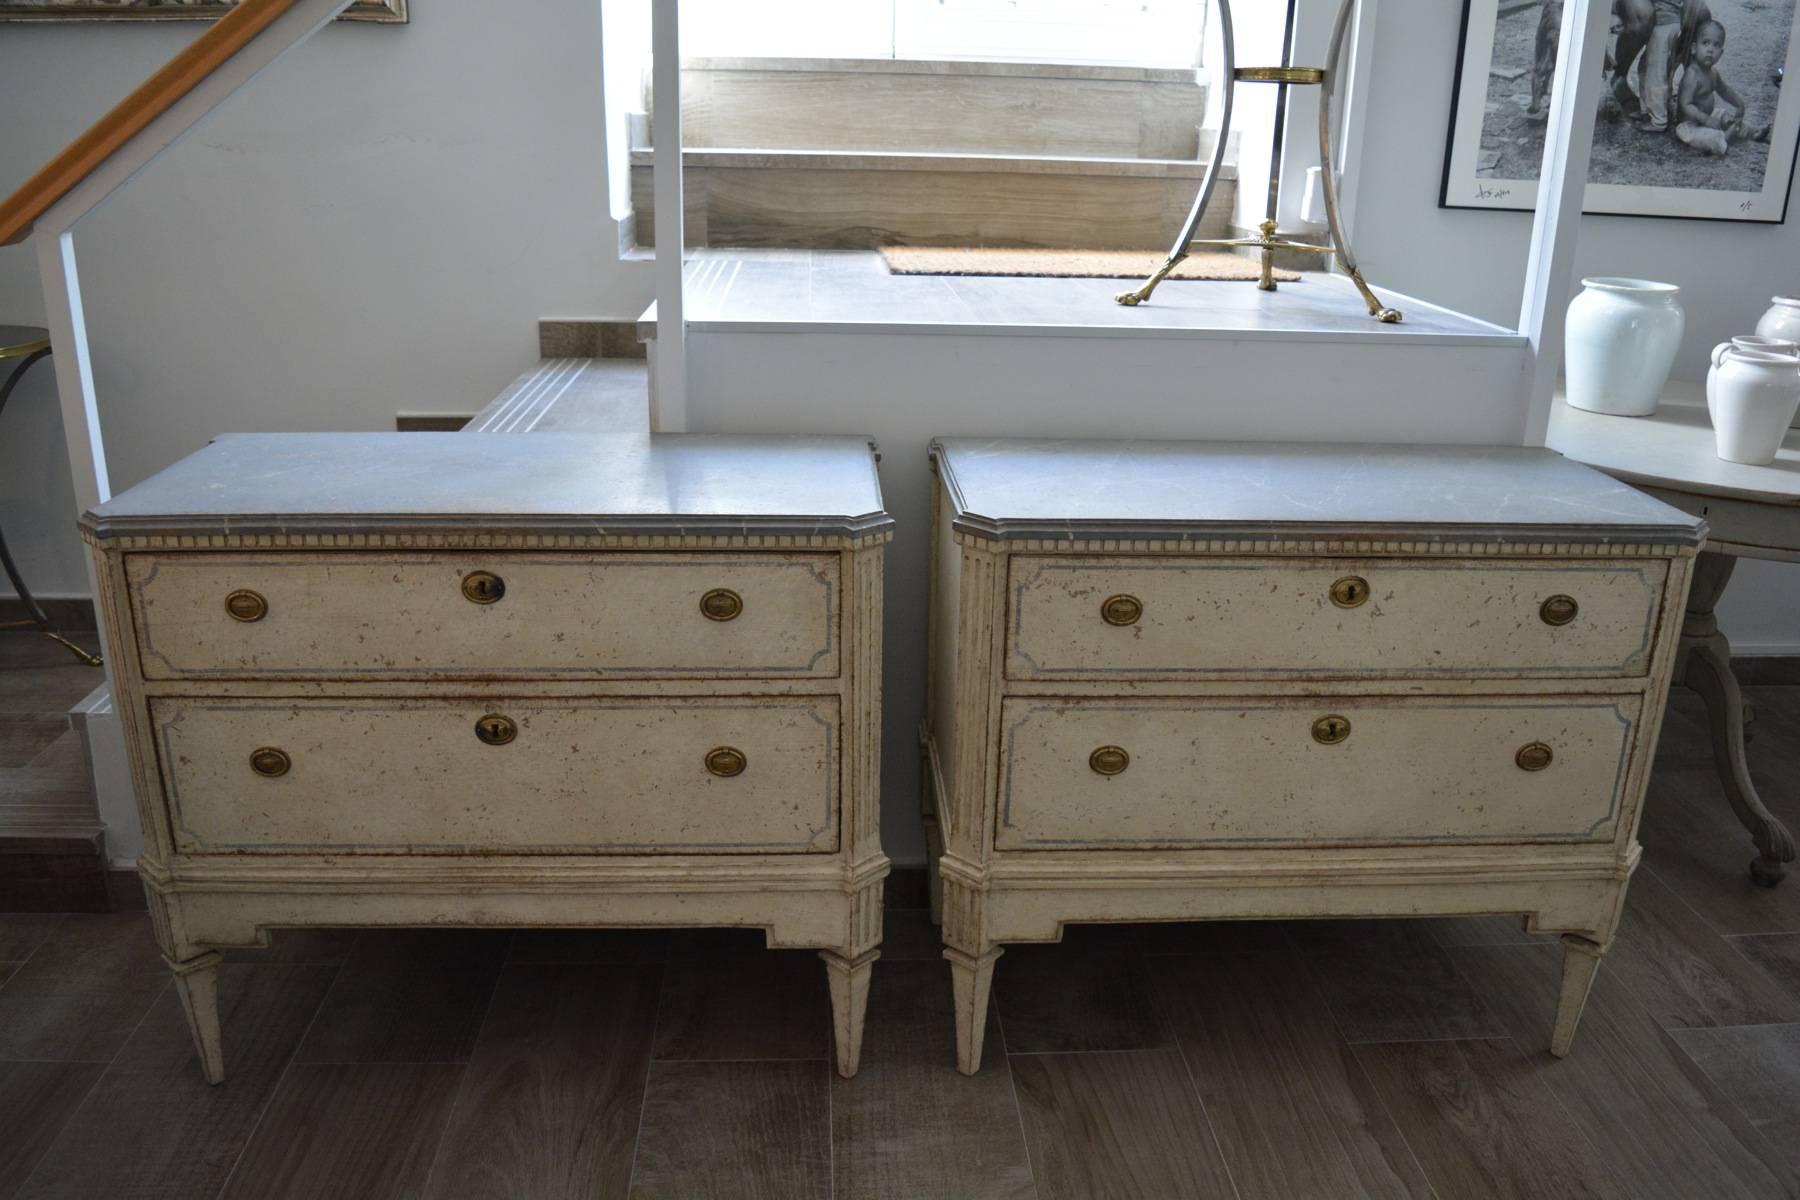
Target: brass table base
[[1268, 240]]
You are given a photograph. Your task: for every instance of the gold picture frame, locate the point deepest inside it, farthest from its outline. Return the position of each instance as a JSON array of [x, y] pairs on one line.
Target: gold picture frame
[[387, 12]]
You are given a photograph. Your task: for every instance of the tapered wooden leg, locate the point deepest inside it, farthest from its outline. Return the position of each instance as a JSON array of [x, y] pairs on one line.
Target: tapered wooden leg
[[849, 978], [197, 982], [971, 979], [1581, 961]]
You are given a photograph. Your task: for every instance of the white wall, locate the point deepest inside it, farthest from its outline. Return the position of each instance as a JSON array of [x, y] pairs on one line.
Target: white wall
[[1475, 261], [375, 225]]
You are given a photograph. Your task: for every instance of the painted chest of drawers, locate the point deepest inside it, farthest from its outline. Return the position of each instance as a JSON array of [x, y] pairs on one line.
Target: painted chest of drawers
[[579, 680], [1185, 681]]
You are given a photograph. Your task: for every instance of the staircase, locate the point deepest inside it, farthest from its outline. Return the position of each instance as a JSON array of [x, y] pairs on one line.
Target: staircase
[[853, 154]]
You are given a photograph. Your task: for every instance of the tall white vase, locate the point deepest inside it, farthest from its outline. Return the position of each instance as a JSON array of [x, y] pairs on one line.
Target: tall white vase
[[1621, 339]]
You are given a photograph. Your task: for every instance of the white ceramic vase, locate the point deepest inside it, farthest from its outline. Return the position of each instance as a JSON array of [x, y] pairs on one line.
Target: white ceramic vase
[[1752, 395], [1621, 339], [1781, 321]]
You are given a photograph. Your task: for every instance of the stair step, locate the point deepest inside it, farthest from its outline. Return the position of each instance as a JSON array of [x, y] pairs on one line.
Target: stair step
[[564, 395], [857, 200], [959, 107]]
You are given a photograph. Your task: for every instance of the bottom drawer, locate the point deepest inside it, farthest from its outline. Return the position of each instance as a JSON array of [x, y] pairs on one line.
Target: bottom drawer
[[748, 775], [1147, 774]]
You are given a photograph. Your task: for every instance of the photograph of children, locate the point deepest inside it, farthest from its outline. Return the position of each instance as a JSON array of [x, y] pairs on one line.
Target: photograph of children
[[1693, 120]]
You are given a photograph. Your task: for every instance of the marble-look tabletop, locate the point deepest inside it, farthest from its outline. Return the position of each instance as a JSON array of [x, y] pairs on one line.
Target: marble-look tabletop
[[1166, 489], [571, 482], [1674, 449]]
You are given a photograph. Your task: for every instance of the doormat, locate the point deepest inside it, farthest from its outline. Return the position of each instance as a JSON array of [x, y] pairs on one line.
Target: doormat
[[1070, 264]]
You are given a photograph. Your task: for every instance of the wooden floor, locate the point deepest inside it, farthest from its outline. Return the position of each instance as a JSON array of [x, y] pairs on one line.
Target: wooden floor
[[1274, 1060]]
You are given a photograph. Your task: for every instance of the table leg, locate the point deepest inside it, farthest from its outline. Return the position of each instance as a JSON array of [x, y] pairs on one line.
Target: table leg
[[1705, 665]]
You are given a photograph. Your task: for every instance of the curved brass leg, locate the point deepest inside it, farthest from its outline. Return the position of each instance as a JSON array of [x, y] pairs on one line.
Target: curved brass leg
[[1143, 293], [1706, 667]]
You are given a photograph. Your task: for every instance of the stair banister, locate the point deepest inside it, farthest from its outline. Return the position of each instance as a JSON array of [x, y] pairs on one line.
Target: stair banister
[[1562, 187], [137, 129], [668, 378], [54, 200]]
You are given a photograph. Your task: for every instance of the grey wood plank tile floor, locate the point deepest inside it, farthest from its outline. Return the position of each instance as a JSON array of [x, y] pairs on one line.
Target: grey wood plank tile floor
[[1241, 1060]]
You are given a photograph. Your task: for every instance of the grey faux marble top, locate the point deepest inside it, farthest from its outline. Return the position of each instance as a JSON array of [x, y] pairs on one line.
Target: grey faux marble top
[[1157, 489], [570, 482]]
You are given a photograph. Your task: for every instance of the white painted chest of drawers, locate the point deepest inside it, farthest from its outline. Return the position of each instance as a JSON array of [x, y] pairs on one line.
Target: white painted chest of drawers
[[566, 680], [1184, 681]]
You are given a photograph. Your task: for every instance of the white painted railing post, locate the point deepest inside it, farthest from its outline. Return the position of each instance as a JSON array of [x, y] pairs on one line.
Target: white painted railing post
[[668, 404], [74, 370], [1562, 186]]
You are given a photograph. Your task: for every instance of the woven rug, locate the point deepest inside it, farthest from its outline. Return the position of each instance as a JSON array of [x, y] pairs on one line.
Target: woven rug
[[1069, 264]]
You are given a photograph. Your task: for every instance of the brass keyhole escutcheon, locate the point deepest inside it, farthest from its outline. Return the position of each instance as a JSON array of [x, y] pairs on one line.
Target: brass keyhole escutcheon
[[270, 762], [1533, 756], [1109, 760], [726, 761], [1558, 610], [246, 605], [721, 604], [483, 587], [1331, 729], [496, 730], [1352, 591], [1121, 610]]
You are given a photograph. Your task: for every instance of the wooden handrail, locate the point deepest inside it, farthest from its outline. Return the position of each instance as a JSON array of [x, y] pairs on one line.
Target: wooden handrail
[[130, 116]]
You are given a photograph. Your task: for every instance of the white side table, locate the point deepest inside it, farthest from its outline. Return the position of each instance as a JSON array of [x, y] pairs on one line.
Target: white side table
[[1753, 512]]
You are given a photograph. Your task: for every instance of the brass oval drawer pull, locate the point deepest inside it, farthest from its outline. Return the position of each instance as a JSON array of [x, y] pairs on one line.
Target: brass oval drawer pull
[[721, 604], [726, 761], [1352, 591], [483, 587], [246, 605], [1534, 756], [1121, 610], [1109, 760], [269, 762], [1558, 610], [496, 730], [1330, 729]]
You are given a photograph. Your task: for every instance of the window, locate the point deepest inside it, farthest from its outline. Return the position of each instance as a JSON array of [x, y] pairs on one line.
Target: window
[[1149, 33]]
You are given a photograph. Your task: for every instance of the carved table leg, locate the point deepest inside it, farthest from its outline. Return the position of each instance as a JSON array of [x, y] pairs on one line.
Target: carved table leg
[[1581, 961], [197, 982], [971, 979], [849, 978], [1705, 666]]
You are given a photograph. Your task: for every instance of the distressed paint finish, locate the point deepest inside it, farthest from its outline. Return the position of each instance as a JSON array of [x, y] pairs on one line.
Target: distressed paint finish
[[1245, 618], [1411, 771], [412, 777], [1229, 808], [404, 616], [601, 812]]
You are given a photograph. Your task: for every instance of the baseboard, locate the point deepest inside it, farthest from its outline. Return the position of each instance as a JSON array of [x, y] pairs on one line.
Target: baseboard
[[1766, 668]]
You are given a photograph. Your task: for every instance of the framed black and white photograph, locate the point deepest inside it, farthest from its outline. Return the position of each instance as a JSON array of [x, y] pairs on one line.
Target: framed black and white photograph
[[1694, 118]]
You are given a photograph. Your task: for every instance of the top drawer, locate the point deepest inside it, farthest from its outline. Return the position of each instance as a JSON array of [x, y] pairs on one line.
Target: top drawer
[[1150, 619], [390, 616]]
